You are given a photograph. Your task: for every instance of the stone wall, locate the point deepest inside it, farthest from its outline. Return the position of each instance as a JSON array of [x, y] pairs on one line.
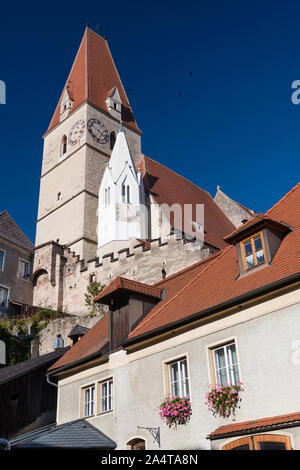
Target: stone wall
[[61, 278], [62, 326]]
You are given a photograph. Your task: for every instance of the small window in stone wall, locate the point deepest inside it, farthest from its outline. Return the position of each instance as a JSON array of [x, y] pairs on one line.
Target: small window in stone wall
[[112, 140], [63, 148]]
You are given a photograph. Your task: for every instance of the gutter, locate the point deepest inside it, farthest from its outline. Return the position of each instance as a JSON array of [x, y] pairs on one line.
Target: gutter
[[79, 362], [207, 312], [259, 429]]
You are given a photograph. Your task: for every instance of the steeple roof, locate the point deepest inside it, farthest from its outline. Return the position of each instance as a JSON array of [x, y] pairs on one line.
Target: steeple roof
[[92, 76], [121, 156]]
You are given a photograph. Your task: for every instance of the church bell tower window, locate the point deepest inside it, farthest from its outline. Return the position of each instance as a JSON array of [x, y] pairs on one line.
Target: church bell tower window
[[63, 148], [112, 140], [126, 193]]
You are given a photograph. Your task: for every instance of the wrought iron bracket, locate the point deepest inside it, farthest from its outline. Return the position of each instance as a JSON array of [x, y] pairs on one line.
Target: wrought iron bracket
[[155, 433]]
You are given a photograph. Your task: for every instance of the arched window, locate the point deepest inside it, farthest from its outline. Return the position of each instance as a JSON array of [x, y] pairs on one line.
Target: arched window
[[112, 140], [63, 147], [136, 444]]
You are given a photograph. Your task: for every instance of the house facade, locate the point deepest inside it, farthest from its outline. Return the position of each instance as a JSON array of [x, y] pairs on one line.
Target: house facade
[[16, 263], [232, 317]]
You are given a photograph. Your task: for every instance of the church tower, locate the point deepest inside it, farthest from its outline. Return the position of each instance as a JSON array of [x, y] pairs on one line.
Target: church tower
[[78, 146]]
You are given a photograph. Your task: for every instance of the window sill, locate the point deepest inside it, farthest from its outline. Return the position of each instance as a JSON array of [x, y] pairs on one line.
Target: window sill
[[105, 412]]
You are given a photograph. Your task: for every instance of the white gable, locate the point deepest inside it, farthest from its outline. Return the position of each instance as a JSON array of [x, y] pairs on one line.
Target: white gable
[[121, 210]]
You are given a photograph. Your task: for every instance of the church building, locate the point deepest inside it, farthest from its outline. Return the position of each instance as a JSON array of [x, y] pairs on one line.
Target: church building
[[106, 209], [196, 341]]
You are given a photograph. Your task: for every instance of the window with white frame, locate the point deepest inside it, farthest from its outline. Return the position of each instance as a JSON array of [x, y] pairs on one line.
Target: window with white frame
[[106, 396], [3, 297], [2, 254], [178, 378], [226, 366], [88, 401], [24, 269]]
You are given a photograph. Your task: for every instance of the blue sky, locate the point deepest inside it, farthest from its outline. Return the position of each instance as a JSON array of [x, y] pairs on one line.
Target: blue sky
[[209, 83]]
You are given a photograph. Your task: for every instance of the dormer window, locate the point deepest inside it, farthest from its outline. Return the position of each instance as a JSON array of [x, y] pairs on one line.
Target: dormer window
[[113, 102], [257, 242], [65, 105], [253, 252]]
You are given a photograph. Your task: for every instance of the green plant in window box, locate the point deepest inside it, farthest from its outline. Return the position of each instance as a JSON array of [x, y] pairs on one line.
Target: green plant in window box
[[175, 410], [223, 400]]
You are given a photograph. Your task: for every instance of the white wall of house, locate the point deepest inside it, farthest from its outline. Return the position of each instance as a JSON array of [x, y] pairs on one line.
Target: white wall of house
[[267, 338]]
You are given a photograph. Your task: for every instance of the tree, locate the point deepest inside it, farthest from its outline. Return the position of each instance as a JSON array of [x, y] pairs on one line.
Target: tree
[[93, 289]]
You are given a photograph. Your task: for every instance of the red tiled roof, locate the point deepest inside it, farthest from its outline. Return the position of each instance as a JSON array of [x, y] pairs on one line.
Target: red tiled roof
[[167, 187], [216, 280], [92, 342], [12, 232], [253, 425], [91, 77], [205, 285], [123, 284]]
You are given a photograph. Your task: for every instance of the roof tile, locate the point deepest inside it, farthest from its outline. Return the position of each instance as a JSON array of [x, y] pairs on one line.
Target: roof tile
[[91, 77], [254, 425]]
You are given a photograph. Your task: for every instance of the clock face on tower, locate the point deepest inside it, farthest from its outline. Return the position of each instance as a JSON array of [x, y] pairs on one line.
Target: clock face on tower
[[76, 132], [98, 131]]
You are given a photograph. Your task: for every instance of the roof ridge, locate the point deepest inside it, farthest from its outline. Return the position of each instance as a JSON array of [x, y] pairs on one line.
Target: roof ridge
[[283, 198], [88, 28], [118, 75], [181, 290], [51, 127]]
